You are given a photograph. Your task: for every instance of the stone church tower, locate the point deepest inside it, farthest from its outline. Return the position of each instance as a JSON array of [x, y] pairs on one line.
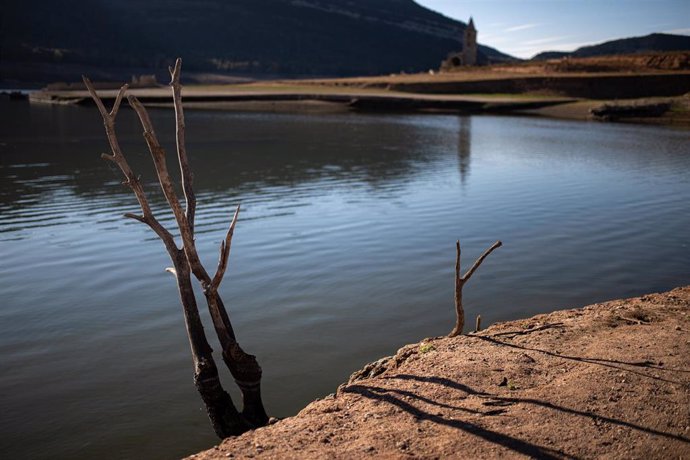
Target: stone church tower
[[468, 55], [469, 45]]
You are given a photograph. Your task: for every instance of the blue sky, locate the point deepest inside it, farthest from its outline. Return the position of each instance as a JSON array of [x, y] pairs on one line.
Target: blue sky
[[525, 27]]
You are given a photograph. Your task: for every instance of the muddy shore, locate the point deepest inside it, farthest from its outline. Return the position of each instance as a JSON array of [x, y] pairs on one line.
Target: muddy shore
[[494, 91], [610, 380]]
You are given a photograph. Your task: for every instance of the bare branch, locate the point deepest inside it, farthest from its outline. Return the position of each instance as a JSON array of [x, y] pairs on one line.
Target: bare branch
[[158, 155], [479, 261], [221, 321], [457, 260], [96, 99], [107, 116], [130, 215], [225, 252], [130, 178], [175, 71], [460, 283], [118, 100], [143, 116], [223, 414], [219, 316], [185, 170], [161, 165]]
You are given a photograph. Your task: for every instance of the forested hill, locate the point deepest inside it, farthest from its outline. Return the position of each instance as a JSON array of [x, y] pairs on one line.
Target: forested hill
[[632, 45], [280, 37]]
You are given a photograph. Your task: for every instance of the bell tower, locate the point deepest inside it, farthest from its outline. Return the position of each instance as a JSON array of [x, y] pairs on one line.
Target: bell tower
[[469, 45]]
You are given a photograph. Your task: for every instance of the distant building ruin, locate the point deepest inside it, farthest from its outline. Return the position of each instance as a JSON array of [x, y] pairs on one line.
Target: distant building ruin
[[468, 55], [144, 81]]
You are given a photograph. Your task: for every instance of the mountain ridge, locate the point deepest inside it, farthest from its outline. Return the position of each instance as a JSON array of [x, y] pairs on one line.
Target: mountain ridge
[[278, 37], [654, 42]]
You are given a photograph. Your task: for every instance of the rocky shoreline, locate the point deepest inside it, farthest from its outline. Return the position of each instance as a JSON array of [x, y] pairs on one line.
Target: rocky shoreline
[[608, 380]]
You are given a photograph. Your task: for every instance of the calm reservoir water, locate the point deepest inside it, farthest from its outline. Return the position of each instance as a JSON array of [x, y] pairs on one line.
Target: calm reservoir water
[[344, 252]]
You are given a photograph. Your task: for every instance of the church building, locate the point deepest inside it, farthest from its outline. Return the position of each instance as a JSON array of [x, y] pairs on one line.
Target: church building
[[468, 55]]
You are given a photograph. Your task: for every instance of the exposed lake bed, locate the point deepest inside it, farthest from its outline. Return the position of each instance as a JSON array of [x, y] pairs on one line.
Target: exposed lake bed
[[608, 380], [349, 228], [649, 96]]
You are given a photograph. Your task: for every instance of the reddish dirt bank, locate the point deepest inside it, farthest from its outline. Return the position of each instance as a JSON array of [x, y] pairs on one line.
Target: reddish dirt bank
[[610, 380]]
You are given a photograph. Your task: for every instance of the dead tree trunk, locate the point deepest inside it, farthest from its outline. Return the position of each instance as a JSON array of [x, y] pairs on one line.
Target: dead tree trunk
[[460, 281], [225, 419], [244, 367]]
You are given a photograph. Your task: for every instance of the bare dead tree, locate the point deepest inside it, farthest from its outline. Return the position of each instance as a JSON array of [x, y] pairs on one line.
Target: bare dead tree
[[244, 367], [460, 281]]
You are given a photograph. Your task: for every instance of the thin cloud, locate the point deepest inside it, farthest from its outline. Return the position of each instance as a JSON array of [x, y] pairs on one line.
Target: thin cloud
[[496, 41], [521, 27], [544, 41], [494, 38]]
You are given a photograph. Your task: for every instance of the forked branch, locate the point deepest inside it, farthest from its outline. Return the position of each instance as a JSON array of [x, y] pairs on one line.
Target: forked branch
[[159, 161], [244, 368], [225, 252], [460, 281], [224, 417], [161, 165], [108, 117], [131, 179]]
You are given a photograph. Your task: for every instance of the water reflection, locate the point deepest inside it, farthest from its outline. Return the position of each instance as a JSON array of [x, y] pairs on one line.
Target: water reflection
[[464, 146], [232, 155]]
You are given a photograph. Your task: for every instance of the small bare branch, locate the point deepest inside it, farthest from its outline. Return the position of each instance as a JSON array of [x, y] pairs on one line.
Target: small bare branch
[[478, 324], [175, 71], [136, 217], [479, 261], [171, 270], [460, 283], [143, 116], [225, 252], [118, 100], [96, 99]]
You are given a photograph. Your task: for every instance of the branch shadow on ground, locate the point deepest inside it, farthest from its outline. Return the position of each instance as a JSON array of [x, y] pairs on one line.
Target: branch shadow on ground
[[611, 363], [510, 442], [469, 390], [511, 334]]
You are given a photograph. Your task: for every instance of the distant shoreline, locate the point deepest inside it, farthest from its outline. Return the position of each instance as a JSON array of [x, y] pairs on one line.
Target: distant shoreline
[[571, 96]]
